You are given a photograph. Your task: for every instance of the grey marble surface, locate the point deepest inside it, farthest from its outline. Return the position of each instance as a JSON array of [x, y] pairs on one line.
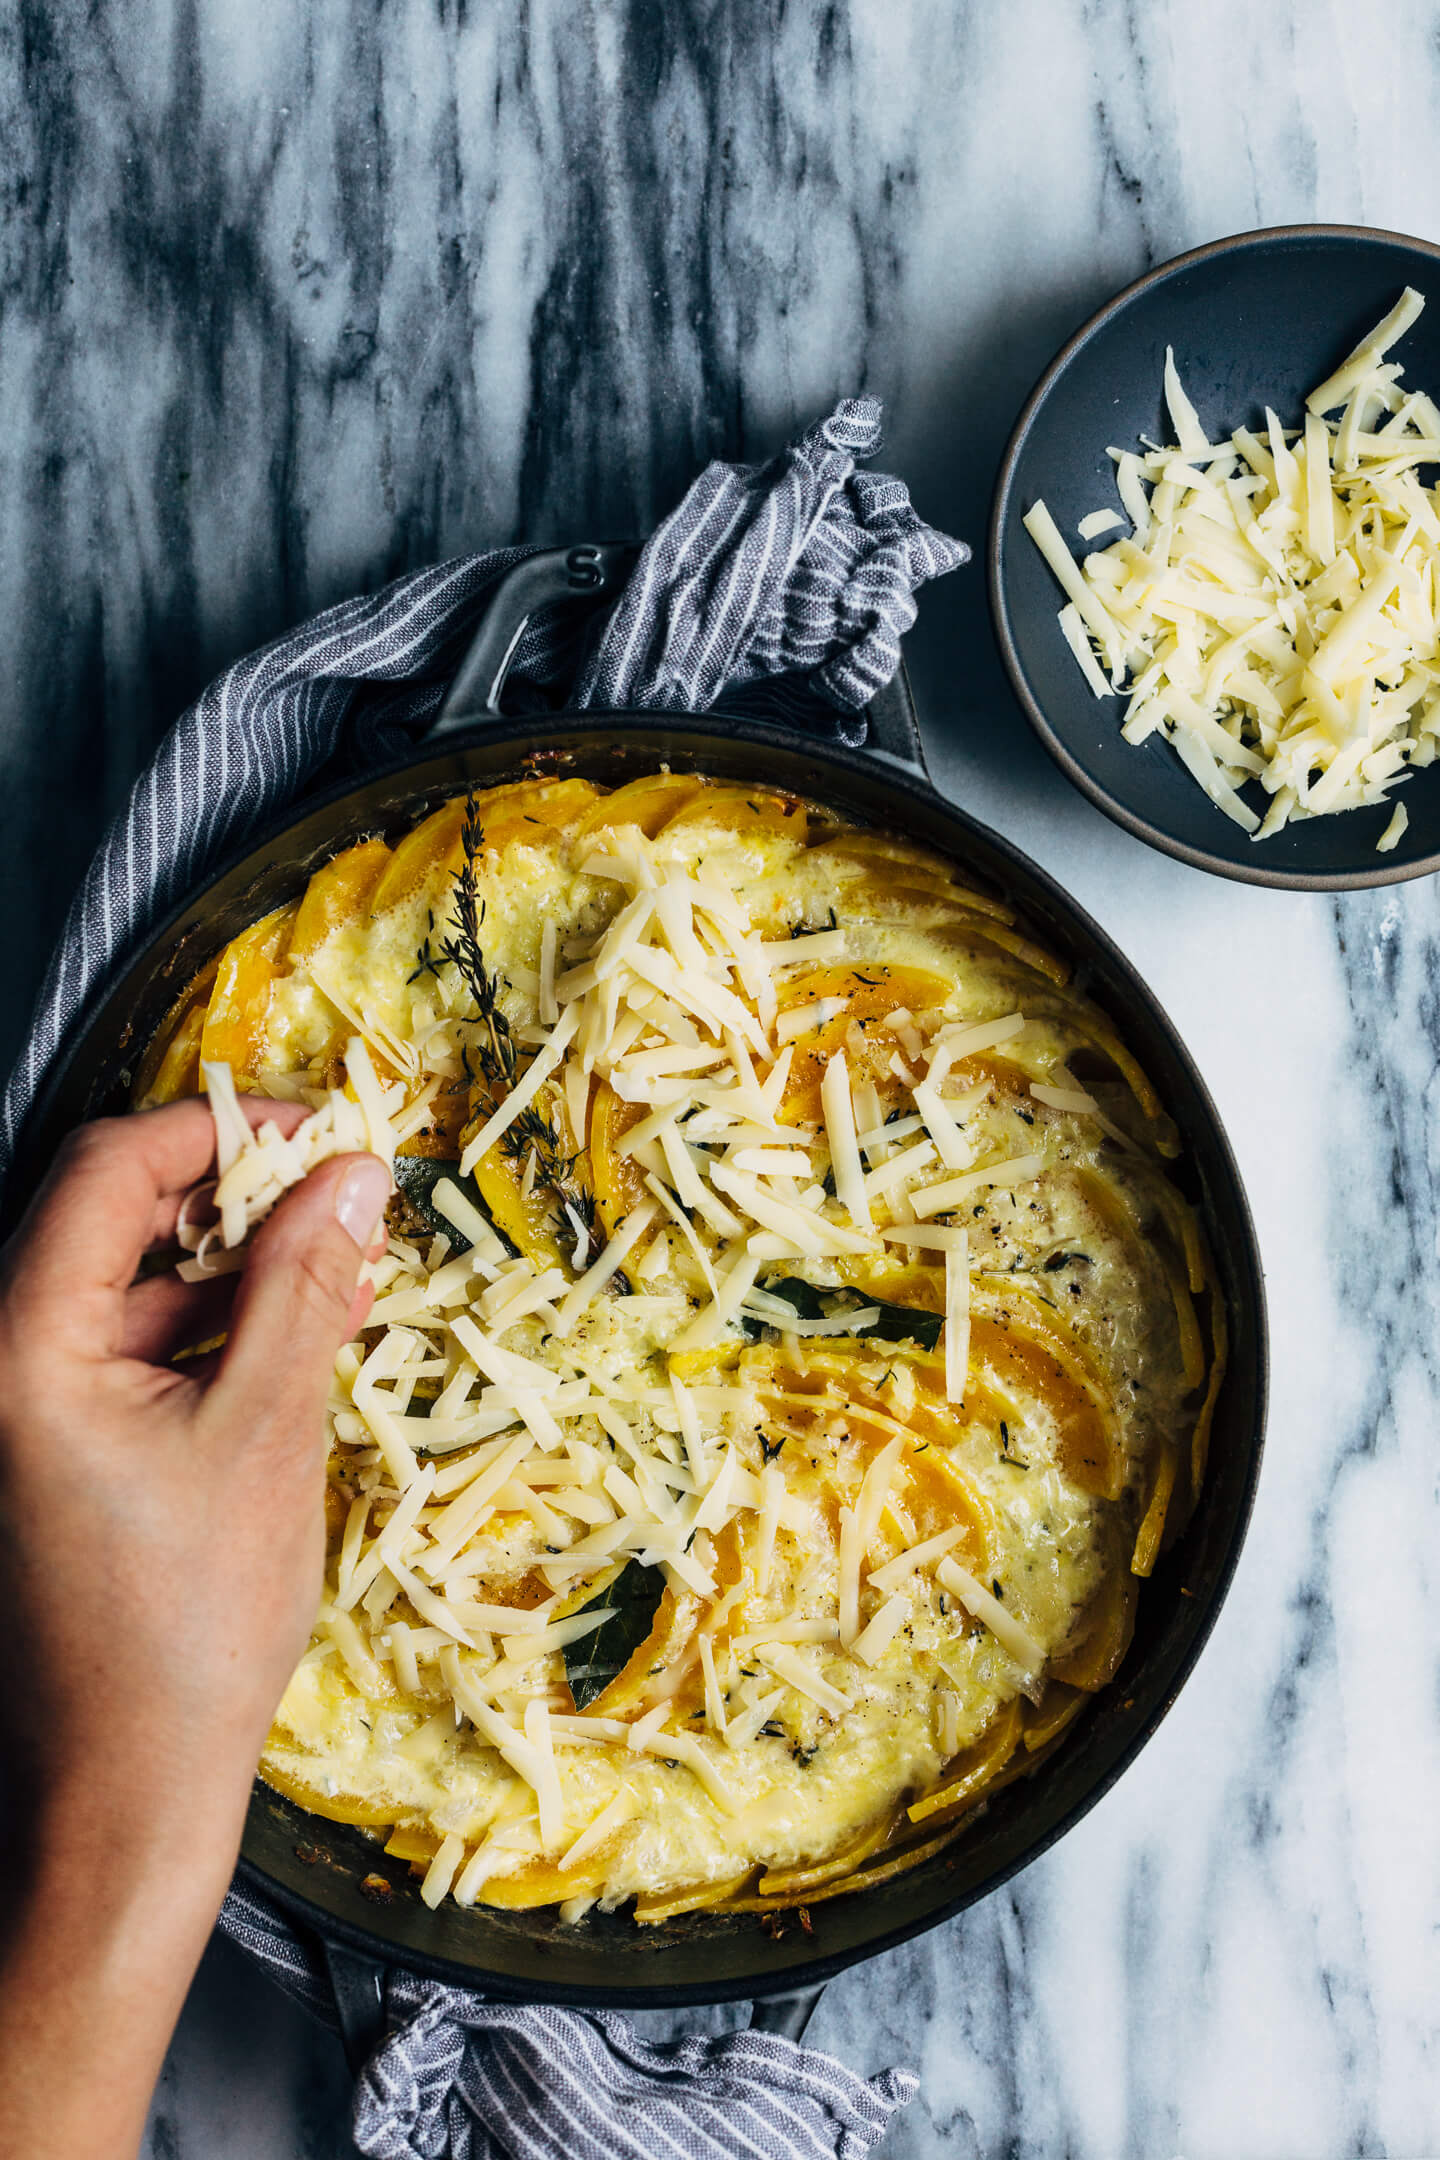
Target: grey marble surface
[[294, 298]]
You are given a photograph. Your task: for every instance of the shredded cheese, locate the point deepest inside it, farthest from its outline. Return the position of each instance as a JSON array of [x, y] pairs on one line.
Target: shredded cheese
[[999, 1176], [1274, 613], [895, 1571], [611, 1817], [982, 1605], [611, 1260], [957, 1317], [441, 1872], [257, 1167], [524, 1091], [876, 1637], [789, 1666]]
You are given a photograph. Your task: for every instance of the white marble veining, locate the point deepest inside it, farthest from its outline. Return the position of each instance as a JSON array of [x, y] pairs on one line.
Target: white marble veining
[[294, 298]]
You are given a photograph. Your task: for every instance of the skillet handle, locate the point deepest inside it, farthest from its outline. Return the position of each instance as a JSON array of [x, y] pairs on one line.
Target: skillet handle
[[787, 2015], [594, 574], [589, 575], [359, 1985], [892, 727]]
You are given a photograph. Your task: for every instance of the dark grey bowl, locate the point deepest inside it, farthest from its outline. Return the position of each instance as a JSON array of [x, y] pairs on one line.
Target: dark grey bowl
[[1256, 320]]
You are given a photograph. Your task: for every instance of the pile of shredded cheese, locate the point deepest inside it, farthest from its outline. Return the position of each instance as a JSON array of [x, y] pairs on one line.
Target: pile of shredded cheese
[[1274, 611], [527, 1414], [255, 1166]]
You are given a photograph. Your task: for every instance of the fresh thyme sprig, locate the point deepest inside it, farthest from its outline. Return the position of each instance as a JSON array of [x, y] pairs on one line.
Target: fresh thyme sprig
[[427, 962], [495, 1052], [532, 1129]]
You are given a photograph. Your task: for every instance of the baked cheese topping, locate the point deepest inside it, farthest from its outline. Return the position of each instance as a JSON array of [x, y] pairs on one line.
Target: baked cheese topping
[[784, 1364], [1274, 610]]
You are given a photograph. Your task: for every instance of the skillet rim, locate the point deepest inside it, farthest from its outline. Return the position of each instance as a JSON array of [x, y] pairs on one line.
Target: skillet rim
[[582, 734]]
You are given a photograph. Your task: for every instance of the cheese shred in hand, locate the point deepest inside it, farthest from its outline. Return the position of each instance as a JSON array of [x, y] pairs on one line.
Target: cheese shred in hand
[[257, 1166], [1274, 612]]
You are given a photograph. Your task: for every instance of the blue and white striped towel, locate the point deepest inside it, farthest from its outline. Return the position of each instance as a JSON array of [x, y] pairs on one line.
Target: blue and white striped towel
[[460, 2078], [804, 567]]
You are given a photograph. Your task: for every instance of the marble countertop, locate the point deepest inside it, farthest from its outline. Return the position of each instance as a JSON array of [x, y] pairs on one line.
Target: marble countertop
[[293, 299]]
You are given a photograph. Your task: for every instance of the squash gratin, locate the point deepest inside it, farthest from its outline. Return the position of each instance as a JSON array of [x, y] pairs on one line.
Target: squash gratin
[[790, 1353]]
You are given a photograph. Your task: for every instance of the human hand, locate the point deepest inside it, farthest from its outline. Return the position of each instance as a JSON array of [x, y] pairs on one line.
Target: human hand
[[161, 1550]]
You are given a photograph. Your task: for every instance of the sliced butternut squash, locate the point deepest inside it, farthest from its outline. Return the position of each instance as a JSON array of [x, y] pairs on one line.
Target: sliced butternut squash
[[699, 1897], [831, 1393], [529, 1221], [618, 1179], [335, 1807], [340, 893], [423, 857], [170, 1067], [973, 1768], [1018, 1347], [870, 995], [1056, 1710], [1151, 1535], [738, 812], [1103, 1635], [648, 802], [865, 1878], [533, 812], [799, 1881], [669, 1643], [234, 1031]]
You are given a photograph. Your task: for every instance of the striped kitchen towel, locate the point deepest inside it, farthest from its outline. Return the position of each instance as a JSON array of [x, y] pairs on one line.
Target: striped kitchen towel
[[461, 2078], [803, 568]]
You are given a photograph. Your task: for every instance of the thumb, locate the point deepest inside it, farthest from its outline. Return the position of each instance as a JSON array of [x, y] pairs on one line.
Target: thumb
[[295, 1303]]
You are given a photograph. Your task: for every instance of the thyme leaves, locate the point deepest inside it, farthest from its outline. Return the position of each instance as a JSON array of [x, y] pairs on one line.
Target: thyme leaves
[[495, 1051], [492, 1057]]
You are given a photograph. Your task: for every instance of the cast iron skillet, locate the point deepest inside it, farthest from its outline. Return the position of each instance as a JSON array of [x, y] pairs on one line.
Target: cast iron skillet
[[316, 1869], [1256, 320]]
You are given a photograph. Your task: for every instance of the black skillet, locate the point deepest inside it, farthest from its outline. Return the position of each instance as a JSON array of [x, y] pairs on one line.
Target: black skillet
[[324, 1874]]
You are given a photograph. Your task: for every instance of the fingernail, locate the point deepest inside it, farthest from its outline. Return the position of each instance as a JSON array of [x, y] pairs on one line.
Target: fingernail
[[360, 1196]]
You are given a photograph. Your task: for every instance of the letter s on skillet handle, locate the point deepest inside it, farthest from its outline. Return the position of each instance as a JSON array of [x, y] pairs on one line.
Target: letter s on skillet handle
[[591, 575]]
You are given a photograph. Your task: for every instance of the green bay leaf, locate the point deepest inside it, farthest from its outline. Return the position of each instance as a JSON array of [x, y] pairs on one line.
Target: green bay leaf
[[893, 1323], [593, 1661], [418, 1175]]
